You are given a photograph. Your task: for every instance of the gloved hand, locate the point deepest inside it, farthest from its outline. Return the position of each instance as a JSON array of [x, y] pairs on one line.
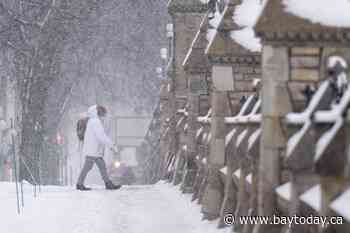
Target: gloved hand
[[115, 149]]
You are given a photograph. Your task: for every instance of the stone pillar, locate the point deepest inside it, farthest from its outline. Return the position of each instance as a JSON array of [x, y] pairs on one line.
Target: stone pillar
[[164, 129], [179, 165], [254, 189], [191, 167], [214, 192], [242, 207], [275, 105], [186, 17], [230, 195], [172, 123], [204, 178]]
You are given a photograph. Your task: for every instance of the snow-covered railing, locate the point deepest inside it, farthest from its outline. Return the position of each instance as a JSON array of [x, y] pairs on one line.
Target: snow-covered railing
[[244, 137], [199, 132], [313, 116], [243, 117], [183, 111], [203, 137], [335, 116], [229, 136], [298, 146], [180, 122], [304, 118], [318, 145], [205, 119], [253, 139]]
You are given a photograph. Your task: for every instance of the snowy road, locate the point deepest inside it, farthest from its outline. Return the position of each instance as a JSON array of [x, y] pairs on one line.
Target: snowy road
[[135, 209]]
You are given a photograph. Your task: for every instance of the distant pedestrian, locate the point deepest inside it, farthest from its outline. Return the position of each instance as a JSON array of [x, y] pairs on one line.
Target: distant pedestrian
[[95, 141]]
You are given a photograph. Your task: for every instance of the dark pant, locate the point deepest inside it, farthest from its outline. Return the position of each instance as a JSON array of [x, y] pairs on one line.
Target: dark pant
[[89, 163]]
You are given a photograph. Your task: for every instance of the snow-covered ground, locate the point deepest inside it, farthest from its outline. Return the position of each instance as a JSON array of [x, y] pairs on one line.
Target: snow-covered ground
[[160, 208]]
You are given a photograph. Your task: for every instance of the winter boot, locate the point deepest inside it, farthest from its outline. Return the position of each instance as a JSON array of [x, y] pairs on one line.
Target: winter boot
[[81, 187], [111, 186]]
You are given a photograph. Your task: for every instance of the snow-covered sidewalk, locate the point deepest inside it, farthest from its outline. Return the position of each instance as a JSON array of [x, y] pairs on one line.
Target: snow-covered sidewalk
[[160, 208]]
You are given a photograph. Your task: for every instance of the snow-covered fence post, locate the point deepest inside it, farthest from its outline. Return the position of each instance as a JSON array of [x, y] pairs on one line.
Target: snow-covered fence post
[[213, 195], [275, 105], [300, 148], [165, 128], [181, 140], [197, 70], [219, 54], [247, 125], [253, 154], [191, 167], [204, 137], [186, 17]]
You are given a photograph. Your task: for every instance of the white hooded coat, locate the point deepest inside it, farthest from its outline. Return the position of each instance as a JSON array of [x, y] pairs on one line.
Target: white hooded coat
[[95, 139]]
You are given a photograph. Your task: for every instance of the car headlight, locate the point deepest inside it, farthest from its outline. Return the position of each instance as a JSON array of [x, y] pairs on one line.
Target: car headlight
[[117, 164]]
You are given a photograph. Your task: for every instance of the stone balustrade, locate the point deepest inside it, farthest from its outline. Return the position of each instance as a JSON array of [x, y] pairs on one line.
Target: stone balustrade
[[271, 136]]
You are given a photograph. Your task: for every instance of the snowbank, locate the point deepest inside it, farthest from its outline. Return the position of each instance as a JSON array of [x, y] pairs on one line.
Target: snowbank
[[160, 208]]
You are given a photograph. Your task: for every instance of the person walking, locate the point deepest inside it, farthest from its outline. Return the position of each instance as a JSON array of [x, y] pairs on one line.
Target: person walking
[[94, 143]]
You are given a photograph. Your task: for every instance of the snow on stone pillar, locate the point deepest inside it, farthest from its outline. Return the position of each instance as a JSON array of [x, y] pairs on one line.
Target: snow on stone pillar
[[214, 193], [276, 104]]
